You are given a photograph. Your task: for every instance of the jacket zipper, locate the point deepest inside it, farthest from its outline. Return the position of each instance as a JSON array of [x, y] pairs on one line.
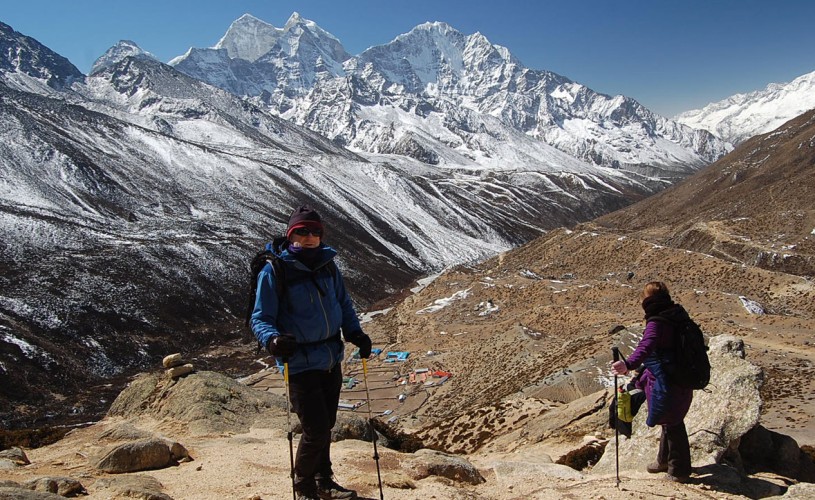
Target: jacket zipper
[[327, 332]]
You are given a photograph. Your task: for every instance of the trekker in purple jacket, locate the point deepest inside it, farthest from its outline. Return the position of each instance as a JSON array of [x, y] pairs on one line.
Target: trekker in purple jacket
[[668, 403]]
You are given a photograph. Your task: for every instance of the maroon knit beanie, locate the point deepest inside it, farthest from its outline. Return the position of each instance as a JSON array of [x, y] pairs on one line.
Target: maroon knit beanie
[[303, 216]]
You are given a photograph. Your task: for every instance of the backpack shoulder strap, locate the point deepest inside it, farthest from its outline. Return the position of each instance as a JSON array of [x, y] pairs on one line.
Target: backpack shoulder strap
[[259, 261]]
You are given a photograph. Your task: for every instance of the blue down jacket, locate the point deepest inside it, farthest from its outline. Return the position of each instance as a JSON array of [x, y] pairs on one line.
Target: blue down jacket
[[313, 306]]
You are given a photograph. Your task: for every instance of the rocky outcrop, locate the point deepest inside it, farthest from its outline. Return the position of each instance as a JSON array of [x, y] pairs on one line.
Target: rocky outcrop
[[131, 486], [12, 493], [764, 450], [206, 402], [13, 457], [176, 367], [718, 417], [145, 454], [425, 463], [62, 486]]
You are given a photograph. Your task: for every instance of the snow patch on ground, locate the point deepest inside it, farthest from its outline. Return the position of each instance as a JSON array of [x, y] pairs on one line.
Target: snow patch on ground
[[30, 351], [440, 304], [752, 306]]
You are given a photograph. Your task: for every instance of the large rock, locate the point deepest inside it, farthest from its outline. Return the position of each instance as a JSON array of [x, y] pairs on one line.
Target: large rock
[[144, 454], [131, 486], [63, 486], [515, 476], [764, 450], [13, 457], [718, 417], [208, 402], [802, 491], [11, 493], [426, 463]]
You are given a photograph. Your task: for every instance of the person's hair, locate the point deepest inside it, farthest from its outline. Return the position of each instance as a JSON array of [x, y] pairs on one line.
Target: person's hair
[[655, 288]]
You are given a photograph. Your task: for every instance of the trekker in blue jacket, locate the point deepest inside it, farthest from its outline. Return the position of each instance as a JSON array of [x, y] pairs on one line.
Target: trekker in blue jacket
[[668, 403], [300, 323]]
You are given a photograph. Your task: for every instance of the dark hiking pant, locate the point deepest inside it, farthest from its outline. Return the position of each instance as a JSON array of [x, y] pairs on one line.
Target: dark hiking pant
[[674, 450], [315, 395]]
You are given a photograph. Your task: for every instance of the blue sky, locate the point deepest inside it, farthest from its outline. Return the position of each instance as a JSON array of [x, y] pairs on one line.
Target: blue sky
[[669, 55]]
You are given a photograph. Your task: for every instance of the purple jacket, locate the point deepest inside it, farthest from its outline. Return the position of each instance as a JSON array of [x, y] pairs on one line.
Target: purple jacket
[[667, 403]]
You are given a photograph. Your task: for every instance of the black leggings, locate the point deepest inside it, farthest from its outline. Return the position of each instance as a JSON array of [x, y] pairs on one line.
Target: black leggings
[[674, 450], [315, 395]]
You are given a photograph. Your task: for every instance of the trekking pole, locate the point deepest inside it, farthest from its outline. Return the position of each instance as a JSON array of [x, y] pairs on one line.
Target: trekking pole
[[615, 354], [371, 423], [288, 421]]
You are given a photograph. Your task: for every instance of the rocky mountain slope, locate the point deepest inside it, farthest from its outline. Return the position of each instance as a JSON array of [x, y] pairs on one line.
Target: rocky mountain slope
[[753, 207], [742, 116], [133, 199], [539, 320]]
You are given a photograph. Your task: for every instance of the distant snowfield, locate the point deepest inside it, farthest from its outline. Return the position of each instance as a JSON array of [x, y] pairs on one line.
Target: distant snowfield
[[742, 116]]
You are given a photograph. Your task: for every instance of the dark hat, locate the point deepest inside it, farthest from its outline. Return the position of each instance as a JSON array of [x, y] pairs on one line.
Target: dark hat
[[304, 216]]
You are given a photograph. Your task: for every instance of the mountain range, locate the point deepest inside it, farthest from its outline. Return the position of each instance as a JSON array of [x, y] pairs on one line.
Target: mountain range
[[445, 98], [741, 116], [134, 197]]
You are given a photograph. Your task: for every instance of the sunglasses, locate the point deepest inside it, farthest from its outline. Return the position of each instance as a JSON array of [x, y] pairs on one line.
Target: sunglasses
[[304, 231]]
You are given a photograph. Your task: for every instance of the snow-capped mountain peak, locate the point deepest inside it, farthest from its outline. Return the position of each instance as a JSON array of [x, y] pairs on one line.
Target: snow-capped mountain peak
[[26, 63], [249, 38], [124, 48], [742, 116]]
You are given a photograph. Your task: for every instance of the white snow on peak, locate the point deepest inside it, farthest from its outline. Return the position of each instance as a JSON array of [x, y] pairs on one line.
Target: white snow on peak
[[742, 116], [124, 48], [298, 20], [249, 38]]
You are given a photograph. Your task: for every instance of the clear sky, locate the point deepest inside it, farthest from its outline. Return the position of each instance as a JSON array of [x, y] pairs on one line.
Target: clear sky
[[671, 55]]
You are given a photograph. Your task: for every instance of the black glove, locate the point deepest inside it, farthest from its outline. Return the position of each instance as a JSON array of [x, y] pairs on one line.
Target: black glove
[[362, 341], [282, 346]]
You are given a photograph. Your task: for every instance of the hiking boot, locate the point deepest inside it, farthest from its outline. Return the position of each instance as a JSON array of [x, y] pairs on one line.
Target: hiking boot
[[306, 490], [306, 495], [678, 479], [656, 468], [328, 488]]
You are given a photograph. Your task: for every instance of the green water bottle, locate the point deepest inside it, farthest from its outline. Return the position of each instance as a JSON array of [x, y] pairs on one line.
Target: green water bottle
[[624, 405]]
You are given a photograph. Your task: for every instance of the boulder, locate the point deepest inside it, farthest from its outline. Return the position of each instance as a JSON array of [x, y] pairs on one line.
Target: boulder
[[180, 371], [354, 426], [515, 475], [802, 491], [139, 455], [15, 456], [425, 463], [719, 416], [208, 402], [763, 449], [131, 486], [172, 360], [11, 493], [63, 486]]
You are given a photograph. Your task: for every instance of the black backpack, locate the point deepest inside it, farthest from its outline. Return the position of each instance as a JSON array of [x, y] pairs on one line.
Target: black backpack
[[691, 366]]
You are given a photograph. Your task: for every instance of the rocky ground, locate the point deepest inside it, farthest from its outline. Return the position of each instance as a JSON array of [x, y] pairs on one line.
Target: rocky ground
[[508, 367], [524, 341]]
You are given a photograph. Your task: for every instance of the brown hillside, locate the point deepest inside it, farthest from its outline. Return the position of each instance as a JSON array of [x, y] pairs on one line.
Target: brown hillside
[[540, 320], [756, 205]]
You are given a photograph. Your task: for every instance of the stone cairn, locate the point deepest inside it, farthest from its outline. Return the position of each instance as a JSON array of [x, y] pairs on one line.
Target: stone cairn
[[176, 367]]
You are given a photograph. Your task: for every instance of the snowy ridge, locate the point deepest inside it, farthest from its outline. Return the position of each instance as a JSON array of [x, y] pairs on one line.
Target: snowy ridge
[[125, 48], [451, 84], [148, 190], [742, 116]]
